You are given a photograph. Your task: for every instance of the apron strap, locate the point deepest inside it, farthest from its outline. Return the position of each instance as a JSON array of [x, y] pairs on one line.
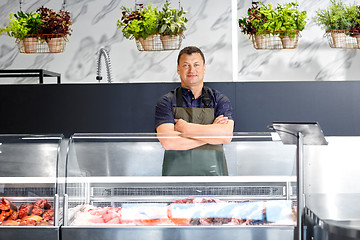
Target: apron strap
[[206, 99], [179, 100]]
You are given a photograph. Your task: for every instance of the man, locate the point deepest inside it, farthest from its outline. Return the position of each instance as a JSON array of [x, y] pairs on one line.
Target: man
[[194, 112]]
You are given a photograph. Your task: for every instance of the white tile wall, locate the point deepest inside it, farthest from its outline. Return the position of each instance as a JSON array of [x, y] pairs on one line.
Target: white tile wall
[[210, 27]]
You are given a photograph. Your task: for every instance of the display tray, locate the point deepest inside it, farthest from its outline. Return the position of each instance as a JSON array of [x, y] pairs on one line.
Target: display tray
[[184, 233]]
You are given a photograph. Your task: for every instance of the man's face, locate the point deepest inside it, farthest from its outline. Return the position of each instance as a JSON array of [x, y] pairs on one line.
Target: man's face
[[191, 69]]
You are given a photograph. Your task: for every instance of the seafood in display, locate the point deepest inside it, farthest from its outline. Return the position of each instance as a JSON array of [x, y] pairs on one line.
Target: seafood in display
[[33, 214], [188, 211]]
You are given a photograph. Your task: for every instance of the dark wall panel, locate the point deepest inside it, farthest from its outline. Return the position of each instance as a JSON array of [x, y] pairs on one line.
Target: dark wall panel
[[70, 108]]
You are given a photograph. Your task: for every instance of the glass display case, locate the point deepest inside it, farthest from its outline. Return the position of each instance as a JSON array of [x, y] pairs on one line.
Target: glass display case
[[114, 189], [30, 186]]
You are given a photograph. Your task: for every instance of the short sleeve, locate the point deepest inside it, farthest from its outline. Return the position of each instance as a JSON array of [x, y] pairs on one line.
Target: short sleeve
[[223, 106], [163, 111]]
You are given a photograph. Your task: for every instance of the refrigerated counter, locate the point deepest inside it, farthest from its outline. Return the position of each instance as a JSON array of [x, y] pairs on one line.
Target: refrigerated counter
[[333, 190], [112, 187], [114, 190], [30, 193]]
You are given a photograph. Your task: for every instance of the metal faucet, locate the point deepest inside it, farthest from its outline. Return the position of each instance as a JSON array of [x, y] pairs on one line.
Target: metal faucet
[[104, 52]]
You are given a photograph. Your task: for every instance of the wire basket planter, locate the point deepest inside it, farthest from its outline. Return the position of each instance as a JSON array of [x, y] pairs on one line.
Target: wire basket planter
[[46, 43], [273, 41], [160, 43], [343, 39]]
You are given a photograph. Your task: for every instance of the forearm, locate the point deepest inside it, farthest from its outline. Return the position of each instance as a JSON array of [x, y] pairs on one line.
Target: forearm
[[174, 140], [218, 133], [177, 142]]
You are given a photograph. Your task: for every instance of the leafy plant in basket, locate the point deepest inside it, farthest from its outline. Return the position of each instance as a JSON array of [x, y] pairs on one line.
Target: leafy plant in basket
[[338, 16], [289, 21], [141, 23], [172, 24], [337, 19], [252, 25], [254, 18], [55, 27], [284, 20], [24, 27], [355, 29]]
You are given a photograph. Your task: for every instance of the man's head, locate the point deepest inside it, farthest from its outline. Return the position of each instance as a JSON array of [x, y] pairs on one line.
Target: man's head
[[190, 50], [191, 67]]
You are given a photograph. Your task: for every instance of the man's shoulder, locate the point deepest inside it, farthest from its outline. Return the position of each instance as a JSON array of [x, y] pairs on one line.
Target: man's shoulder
[[168, 97], [215, 93]]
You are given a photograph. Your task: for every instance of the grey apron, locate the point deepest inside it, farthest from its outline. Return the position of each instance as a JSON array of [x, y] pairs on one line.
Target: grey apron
[[206, 160]]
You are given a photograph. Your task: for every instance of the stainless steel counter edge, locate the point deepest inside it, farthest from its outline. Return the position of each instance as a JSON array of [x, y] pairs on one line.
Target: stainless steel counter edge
[[346, 228]]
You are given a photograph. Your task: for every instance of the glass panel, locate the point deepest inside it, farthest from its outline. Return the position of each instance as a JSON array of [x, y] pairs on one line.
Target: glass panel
[[28, 179], [117, 179], [142, 155]]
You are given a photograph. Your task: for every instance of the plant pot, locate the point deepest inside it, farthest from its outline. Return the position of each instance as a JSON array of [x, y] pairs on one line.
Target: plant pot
[[56, 45], [148, 43], [357, 40], [170, 42], [260, 41], [339, 39], [30, 44], [288, 42]]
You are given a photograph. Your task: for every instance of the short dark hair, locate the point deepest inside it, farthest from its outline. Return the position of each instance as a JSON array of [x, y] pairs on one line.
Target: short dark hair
[[190, 50]]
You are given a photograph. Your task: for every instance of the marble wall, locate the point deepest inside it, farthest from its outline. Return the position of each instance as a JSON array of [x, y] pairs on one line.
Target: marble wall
[[210, 27]]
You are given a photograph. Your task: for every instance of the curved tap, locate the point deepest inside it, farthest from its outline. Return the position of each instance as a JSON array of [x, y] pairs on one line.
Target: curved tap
[[104, 52]]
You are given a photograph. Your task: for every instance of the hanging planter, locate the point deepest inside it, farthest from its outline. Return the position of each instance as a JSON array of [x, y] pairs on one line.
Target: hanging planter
[[171, 42], [44, 31], [260, 41], [275, 40], [148, 44], [342, 39], [355, 33], [55, 29], [172, 24], [28, 45], [159, 43], [48, 43], [273, 28], [289, 39], [153, 30], [24, 27], [56, 44], [341, 23]]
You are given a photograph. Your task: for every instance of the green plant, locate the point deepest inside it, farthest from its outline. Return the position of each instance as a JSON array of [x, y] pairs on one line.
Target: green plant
[[355, 29], [289, 19], [338, 16], [284, 19], [266, 23], [22, 25], [139, 23], [52, 22], [254, 17], [171, 21]]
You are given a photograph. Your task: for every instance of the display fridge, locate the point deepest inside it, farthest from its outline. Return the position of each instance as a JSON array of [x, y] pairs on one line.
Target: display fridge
[[31, 169], [114, 189]]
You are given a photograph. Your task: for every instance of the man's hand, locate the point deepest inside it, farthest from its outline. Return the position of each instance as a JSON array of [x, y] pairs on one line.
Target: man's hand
[[180, 125], [221, 120]]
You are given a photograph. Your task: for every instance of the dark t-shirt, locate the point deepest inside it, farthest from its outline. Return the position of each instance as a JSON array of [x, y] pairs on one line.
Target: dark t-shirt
[[164, 107]]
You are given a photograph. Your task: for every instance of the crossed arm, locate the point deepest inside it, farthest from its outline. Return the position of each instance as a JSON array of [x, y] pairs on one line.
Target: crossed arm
[[194, 135]]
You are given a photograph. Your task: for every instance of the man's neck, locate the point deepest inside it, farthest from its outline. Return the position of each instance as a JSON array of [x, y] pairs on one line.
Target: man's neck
[[196, 90]]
